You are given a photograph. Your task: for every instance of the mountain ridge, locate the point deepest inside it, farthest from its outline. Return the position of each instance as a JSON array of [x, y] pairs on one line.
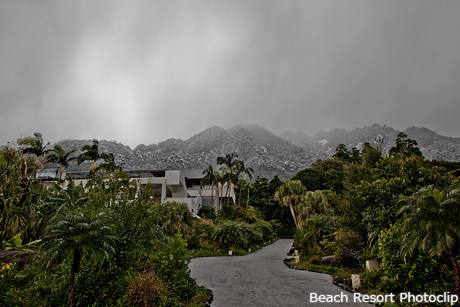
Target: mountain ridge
[[267, 153]]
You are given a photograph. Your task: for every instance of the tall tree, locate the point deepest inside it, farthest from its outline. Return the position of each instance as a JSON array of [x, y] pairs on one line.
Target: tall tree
[[241, 180], [430, 217], [315, 203], [34, 145], [342, 152], [210, 177], [370, 156], [18, 210], [290, 194], [81, 232], [90, 153], [405, 147], [228, 168], [62, 157]]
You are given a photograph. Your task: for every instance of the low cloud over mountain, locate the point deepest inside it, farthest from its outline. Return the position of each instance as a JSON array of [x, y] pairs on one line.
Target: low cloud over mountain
[[267, 153]]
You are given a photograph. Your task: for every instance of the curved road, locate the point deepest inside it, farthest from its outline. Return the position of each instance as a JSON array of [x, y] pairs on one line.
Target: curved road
[[262, 279]]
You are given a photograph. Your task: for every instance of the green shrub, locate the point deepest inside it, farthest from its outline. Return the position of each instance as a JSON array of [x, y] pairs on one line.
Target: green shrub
[[193, 241], [402, 275], [146, 289], [304, 243], [253, 234], [229, 234], [315, 260], [227, 212], [370, 281], [205, 230], [342, 238], [251, 215], [233, 213], [266, 228], [207, 212], [173, 218], [171, 266]]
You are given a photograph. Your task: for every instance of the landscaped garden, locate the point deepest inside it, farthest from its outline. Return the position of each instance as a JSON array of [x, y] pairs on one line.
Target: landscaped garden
[[108, 243]]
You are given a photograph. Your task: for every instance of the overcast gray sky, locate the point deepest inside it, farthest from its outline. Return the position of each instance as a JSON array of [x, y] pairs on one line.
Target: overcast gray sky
[[145, 71]]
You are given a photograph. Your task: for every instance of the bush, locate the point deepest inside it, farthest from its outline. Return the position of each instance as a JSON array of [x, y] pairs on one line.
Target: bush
[[193, 241], [402, 275], [370, 281], [251, 215], [314, 260], [342, 238], [232, 213], [207, 212], [205, 230], [253, 234], [146, 289], [171, 267], [304, 243], [229, 234], [343, 276], [266, 228]]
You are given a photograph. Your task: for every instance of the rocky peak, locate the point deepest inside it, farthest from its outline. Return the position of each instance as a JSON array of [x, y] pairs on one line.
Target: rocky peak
[[267, 153]]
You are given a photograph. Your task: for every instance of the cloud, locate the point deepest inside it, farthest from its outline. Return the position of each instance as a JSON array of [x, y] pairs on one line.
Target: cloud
[[142, 72]]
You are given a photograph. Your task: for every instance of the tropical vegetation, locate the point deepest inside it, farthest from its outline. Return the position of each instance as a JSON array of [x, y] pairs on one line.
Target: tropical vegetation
[[109, 243], [392, 206]]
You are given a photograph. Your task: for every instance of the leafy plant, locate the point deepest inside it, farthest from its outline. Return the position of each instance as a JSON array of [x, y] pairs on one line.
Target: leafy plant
[[229, 234], [81, 232], [16, 244]]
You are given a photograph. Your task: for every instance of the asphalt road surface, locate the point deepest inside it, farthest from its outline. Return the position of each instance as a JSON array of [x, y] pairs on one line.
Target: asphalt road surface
[[262, 279]]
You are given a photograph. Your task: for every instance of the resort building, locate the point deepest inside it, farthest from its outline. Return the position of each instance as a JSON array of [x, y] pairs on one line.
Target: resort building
[[215, 195], [180, 186]]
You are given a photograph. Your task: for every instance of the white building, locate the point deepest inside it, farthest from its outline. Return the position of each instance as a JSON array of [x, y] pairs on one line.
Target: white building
[[168, 185], [211, 195]]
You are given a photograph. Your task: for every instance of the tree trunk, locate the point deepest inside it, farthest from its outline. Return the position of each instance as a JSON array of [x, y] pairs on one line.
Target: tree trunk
[[295, 220], [212, 192], [228, 190], [218, 196], [75, 265], [453, 259], [247, 203], [239, 196]]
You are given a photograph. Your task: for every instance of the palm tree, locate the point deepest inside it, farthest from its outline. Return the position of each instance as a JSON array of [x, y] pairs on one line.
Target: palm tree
[[109, 164], [62, 157], [210, 177], [228, 163], [90, 153], [290, 194], [316, 227], [17, 212], [315, 203], [34, 145], [219, 179], [174, 218], [430, 217], [243, 184], [83, 233], [240, 171]]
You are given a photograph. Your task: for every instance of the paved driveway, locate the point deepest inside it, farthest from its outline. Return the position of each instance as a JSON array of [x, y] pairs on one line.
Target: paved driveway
[[262, 279]]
